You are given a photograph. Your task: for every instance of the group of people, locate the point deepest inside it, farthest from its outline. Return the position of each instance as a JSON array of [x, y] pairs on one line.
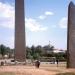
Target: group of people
[[37, 63]]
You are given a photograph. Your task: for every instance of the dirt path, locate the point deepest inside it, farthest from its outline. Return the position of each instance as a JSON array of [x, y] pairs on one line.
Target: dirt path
[[31, 70], [24, 70]]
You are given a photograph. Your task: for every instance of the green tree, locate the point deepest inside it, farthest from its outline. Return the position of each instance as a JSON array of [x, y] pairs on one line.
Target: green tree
[[36, 56], [48, 50], [28, 53], [38, 50], [2, 49], [32, 50], [52, 48]]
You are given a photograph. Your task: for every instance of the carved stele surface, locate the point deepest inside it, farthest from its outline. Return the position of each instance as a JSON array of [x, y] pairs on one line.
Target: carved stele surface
[[20, 53], [71, 36]]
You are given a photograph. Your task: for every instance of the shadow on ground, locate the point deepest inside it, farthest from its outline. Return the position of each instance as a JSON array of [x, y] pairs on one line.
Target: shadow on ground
[[7, 73], [68, 73]]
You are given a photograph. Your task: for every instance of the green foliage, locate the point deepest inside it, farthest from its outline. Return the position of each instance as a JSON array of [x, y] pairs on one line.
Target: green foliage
[[32, 50], [38, 49], [36, 52], [28, 53], [36, 56], [60, 56], [45, 51], [4, 50]]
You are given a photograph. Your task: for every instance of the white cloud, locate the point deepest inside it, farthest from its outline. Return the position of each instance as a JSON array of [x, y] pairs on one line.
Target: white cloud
[[49, 13], [6, 10], [6, 15], [42, 17], [63, 22], [45, 15], [33, 25]]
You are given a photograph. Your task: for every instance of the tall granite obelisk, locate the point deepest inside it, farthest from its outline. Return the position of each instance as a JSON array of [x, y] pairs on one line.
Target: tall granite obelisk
[[20, 52], [71, 36]]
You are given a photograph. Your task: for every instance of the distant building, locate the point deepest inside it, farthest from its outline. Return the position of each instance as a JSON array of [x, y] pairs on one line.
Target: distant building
[[59, 51]]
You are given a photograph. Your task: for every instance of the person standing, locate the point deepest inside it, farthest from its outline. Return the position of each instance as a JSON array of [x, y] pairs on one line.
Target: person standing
[[37, 63], [57, 62]]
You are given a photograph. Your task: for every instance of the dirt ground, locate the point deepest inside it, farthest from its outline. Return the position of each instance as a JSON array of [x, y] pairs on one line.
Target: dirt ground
[[25, 70], [31, 70]]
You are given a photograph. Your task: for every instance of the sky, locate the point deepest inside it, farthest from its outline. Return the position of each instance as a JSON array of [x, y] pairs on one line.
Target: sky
[[45, 20]]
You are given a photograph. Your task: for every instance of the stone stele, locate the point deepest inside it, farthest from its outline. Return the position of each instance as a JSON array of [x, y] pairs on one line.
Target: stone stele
[[71, 36], [20, 51]]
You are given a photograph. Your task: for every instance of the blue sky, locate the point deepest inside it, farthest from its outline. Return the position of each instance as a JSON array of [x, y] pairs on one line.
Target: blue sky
[[45, 20]]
